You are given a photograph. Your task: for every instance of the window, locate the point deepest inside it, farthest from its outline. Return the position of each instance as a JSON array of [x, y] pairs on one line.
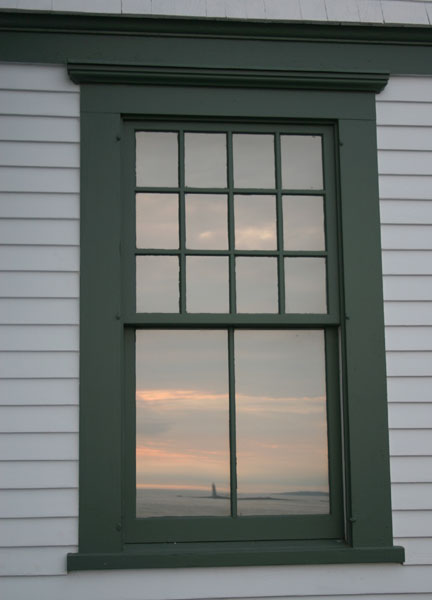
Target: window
[[232, 357]]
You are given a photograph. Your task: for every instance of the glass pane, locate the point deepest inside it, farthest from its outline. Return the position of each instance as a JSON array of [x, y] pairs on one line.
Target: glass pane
[[254, 164], [281, 423], [303, 223], [156, 159], [157, 284], [207, 284], [301, 162], [305, 285], [206, 221], [182, 416], [157, 221], [257, 287], [205, 160], [255, 222]]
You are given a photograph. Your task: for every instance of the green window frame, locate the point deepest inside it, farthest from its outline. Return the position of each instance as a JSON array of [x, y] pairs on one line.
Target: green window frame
[[359, 526]]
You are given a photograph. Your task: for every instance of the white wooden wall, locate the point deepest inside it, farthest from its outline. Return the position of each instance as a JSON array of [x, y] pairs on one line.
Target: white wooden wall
[[39, 262], [418, 12]]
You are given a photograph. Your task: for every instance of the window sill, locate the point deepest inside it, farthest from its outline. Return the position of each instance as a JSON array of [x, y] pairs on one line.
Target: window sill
[[231, 554]]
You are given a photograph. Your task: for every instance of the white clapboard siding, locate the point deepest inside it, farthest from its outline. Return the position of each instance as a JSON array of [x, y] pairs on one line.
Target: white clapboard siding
[[40, 154], [39, 337], [408, 113], [392, 137], [400, 211], [39, 391], [34, 560], [410, 442], [409, 389], [51, 104], [393, 162], [39, 503], [39, 258], [418, 551], [409, 338], [27, 77], [42, 232], [39, 446], [416, 523], [38, 474], [38, 129], [417, 415], [34, 419], [407, 287], [39, 179], [38, 284], [39, 311], [400, 262], [410, 187], [411, 469], [406, 237], [409, 364], [22, 365], [408, 313], [41, 205], [412, 496], [56, 531]]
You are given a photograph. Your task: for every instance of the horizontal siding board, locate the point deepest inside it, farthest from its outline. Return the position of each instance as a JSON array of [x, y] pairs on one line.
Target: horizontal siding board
[[411, 442], [39, 447], [411, 496], [404, 138], [402, 211], [416, 523], [38, 503], [407, 287], [351, 582], [38, 532], [39, 258], [408, 338], [404, 113], [39, 391], [409, 363], [411, 469], [28, 284], [410, 415], [39, 311], [39, 154], [39, 179], [38, 364], [34, 560], [39, 129], [406, 237], [407, 89], [415, 262], [409, 389], [418, 551], [404, 162], [34, 419], [39, 337], [38, 474], [42, 231], [52, 104], [27, 77], [408, 313], [415, 187], [39, 206]]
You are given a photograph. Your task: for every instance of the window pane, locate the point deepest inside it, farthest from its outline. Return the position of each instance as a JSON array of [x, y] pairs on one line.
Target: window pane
[[257, 287], [182, 416], [157, 284], [301, 162], [207, 284], [157, 221], [303, 223], [255, 222], [156, 159], [281, 422], [254, 164], [206, 221], [305, 285], [205, 160]]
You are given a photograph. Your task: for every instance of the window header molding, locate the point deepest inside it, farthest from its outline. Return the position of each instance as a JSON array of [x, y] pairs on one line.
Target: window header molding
[[81, 72]]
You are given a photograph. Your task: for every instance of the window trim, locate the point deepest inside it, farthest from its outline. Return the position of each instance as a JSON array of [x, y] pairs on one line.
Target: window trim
[[368, 535]]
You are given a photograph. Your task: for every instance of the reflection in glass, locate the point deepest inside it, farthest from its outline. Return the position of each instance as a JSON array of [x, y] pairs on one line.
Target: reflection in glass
[[156, 159], [205, 160], [206, 221], [207, 284], [256, 285], [301, 162], [281, 422], [254, 164], [255, 222], [303, 223], [305, 285], [157, 221], [157, 284], [182, 448]]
